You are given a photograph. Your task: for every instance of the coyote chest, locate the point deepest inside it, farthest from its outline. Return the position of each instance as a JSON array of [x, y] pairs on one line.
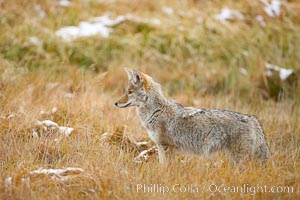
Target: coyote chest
[[155, 124], [153, 136]]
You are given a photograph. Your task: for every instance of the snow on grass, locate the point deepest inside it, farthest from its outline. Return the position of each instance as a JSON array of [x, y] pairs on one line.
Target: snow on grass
[[8, 181], [272, 9], [11, 115], [54, 110], [228, 14], [105, 20], [65, 130], [69, 95], [38, 9], [283, 72], [35, 134], [105, 136], [58, 174], [25, 180], [48, 124], [55, 174], [243, 71], [261, 20], [42, 112], [57, 171], [34, 40], [143, 143], [145, 155], [64, 3], [84, 29], [168, 10], [98, 26]]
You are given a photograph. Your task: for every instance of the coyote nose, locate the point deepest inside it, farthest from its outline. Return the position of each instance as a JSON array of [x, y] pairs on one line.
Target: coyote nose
[[116, 104]]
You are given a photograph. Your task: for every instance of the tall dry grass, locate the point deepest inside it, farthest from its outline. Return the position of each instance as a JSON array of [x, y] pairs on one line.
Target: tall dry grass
[[198, 66]]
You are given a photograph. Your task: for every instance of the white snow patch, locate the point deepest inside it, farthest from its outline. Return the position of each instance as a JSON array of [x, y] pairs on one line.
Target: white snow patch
[[54, 110], [105, 135], [228, 14], [99, 26], [261, 20], [34, 40], [105, 20], [144, 155], [64, 3], [168, 10], [11, 115], [243, 71], [58, 174], [65, 130], [141, 143], [69, 95], [57, 171], [272, 9], [84, 29], [8, 181], [35, 134], [269, 73], [96, 26], [246, 53], [42, 112], [47, 123], [40, 11], [283, 72], [52, 126], [25, 180], [91, 190]]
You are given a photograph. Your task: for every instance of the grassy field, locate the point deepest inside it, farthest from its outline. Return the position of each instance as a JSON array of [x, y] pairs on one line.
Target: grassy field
[[199, 61]]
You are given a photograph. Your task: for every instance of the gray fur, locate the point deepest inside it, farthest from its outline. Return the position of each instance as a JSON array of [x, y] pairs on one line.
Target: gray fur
[[196, 131]]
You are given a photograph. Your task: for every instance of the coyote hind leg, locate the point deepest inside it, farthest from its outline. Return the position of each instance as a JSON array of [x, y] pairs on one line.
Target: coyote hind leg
[[262, 153], [242, 151]]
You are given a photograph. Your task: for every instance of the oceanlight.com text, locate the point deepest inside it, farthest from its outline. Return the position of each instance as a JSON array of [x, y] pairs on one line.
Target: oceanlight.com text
[[211, 188]]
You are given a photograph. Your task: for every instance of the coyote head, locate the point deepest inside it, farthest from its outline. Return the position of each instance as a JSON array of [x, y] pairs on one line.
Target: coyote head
[[136, 90]]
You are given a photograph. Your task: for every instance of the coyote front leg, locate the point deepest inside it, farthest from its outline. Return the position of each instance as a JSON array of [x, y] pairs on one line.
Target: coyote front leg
[[165, 153]]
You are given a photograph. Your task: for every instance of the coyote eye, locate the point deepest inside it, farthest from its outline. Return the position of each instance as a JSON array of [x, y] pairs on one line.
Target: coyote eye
[[130, 91]]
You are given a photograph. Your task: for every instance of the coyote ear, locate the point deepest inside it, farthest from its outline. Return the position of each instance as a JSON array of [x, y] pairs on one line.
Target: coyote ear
[[128, 72], [137, 77]]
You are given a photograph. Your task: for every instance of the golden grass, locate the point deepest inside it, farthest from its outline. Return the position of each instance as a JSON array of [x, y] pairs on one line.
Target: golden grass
[[198, 67]]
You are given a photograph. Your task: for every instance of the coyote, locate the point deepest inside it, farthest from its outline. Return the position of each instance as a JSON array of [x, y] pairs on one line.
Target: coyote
[[173, 127]]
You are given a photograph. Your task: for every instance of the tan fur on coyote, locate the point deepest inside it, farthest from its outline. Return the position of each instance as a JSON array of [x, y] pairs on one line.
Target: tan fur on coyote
[[190, 130]]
